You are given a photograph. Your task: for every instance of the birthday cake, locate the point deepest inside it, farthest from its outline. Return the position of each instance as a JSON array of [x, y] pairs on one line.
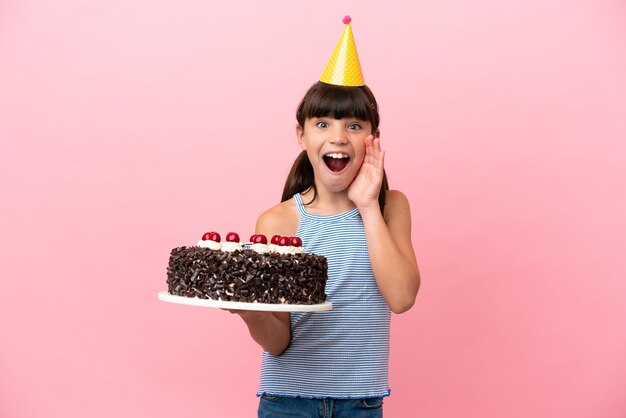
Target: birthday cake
[[278, 272]]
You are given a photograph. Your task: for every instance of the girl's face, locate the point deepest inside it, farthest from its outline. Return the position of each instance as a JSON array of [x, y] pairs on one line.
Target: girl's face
[[336, 149]]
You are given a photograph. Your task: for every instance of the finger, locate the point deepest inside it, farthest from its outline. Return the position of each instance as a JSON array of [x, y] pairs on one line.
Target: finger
[[369, 145], [375, 152], [376, 143]]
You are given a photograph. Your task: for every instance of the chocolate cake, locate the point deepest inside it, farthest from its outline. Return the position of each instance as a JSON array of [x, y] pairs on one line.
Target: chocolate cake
[[257, 273]]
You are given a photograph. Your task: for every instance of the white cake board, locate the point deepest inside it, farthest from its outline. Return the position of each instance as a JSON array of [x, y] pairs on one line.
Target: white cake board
[[244, 306]]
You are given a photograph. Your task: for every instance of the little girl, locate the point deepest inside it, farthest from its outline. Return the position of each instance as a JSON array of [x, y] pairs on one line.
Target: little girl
[[335, 363]]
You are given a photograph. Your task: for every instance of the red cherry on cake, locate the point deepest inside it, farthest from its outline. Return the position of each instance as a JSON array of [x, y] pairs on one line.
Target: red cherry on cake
[[284, 241], [295, 241], [252, 238], [259, 239], [232, 237], [206, 236], [214, 236], [276, 239]]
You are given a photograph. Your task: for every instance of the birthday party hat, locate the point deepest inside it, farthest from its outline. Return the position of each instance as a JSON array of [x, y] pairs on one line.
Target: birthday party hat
[[344, 68]]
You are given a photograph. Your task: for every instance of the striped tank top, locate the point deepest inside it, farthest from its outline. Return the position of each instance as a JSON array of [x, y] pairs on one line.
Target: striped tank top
[[344, 352]]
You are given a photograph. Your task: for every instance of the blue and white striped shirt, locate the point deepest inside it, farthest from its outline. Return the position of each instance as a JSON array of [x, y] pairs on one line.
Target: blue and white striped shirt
[[342, 353]]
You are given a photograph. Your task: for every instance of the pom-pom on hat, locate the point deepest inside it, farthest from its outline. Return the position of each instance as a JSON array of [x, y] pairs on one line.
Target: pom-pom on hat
[[344, 67]]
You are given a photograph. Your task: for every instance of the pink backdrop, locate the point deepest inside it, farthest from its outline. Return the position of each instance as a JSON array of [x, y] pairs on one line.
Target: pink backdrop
[[129, 127]]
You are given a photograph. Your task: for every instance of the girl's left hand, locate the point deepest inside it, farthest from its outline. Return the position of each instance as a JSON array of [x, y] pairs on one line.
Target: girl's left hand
[[365, 187]]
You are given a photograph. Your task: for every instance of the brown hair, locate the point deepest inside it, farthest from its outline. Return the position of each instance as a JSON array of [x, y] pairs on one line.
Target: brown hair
[[337, 102]]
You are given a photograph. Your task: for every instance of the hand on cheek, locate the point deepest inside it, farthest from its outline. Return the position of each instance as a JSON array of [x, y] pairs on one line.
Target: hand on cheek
[[365, 187]]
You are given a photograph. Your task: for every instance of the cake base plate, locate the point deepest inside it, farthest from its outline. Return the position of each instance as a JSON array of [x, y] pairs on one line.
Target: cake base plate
[[244, 306]]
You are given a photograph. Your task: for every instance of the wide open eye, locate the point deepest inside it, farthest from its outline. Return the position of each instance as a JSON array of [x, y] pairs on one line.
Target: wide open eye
[[321, 124], [354, 127]]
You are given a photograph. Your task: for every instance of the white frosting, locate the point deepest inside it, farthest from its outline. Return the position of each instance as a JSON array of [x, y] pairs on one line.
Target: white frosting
[[282, 250], [260, 248], [285, 249], [273, 248], [289, 250], [231, 246], [213, 245]]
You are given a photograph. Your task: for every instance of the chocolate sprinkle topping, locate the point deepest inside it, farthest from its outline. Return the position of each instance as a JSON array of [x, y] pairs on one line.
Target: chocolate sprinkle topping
[[246, 276]]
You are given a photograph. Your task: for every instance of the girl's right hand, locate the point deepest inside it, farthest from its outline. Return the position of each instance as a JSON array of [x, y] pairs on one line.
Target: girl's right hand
[[271, 330], [248, 314]]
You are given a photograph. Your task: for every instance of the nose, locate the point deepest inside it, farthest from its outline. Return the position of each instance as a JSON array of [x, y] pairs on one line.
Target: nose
[[338, 136]]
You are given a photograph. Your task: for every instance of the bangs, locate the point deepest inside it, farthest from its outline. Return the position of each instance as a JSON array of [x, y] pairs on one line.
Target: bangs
[[338, 102]]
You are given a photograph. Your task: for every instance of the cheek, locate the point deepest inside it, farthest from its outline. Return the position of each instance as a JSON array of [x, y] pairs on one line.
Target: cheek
[[313, 157], [358, 162], [359, 153]]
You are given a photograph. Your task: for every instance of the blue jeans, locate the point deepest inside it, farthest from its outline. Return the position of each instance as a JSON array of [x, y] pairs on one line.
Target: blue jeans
[[287, 407]]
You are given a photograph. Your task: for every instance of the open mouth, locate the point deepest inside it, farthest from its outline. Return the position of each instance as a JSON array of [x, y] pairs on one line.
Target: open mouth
[[336, 161]]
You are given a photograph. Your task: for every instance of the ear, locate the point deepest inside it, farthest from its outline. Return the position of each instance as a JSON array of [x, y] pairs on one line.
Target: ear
[[300, 136]]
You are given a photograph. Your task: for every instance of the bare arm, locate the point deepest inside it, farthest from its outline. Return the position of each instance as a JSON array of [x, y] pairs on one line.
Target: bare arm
[[272, 330], [391, 251], [389, 236]]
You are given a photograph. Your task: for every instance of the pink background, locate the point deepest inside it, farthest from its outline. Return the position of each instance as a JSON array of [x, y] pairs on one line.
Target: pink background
[[129, 127]]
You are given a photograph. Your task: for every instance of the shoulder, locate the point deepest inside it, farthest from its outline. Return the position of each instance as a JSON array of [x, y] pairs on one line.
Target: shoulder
[[281, 219], [396, 197], [398, 219], [396, 205]]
